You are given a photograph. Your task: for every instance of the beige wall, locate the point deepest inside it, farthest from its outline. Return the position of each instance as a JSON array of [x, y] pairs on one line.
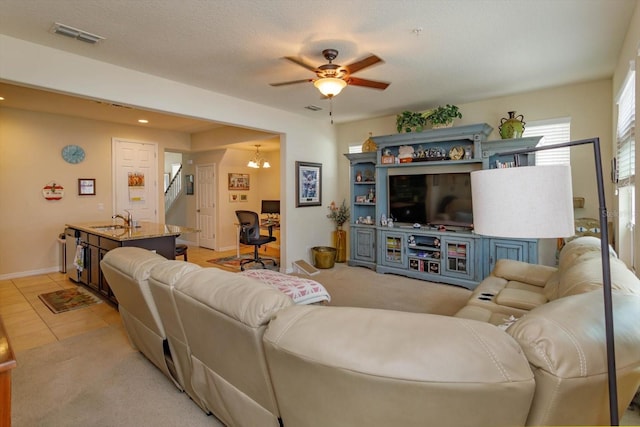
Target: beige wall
[[302, 138], [264, 184], [588, 105], [30, 145]]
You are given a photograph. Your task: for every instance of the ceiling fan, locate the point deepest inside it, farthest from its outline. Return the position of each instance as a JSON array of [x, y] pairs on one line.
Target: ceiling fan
[[332, 78]]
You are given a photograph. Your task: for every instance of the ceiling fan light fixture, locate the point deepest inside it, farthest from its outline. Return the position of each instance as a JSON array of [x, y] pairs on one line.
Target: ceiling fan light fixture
[[258, 161], [330, 86]]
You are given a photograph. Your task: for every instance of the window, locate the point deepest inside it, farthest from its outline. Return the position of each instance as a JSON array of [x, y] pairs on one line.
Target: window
[[625, 132], [355, 148], [553, 131], [626, 169]]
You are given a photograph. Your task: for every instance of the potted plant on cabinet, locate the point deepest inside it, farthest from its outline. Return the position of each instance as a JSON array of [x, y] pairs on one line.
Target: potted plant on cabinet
[[442, 117], [409, 121]]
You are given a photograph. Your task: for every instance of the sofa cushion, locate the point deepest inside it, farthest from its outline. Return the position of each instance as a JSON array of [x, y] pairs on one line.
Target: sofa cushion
[[564, 341], [346, 366], [240, 297], [520, 298], [133, 261], [523, 272], [576, 248], [586, 275], [482, 314], [299, 289], [169, 273]]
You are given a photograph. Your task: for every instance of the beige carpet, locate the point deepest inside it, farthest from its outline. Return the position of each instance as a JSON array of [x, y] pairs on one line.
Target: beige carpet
[[361, 287], [97, 379]]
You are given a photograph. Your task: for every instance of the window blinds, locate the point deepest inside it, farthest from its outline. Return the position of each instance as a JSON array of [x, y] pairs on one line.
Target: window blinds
[[553, 131], [626, 146]]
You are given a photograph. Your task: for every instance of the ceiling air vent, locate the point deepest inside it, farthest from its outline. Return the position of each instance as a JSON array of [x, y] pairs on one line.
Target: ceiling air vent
[[313, 108], [75, 33]]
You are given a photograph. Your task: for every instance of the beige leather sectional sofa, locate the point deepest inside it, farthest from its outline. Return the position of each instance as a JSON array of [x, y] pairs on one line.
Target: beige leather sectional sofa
[[245, 352], [514, 288]]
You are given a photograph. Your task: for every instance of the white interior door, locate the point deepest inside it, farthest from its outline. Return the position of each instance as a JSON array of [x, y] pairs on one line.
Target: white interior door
[[135, 179], [206, 205]]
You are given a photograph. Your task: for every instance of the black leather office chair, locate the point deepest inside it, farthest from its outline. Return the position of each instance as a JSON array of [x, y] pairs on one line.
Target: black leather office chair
[[250, 235]]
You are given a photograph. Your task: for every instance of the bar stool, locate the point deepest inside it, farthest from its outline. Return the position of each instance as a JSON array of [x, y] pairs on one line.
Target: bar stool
[[181, 250]]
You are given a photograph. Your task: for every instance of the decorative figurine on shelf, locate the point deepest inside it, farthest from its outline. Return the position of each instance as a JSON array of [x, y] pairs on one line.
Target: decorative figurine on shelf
[[371, 197], [390, 222], [383, 220], [411, 241], [369, 145], [358, 176]]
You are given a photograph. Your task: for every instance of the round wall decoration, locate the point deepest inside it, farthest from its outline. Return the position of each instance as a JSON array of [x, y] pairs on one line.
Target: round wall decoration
[[53, 191], [73, 153]]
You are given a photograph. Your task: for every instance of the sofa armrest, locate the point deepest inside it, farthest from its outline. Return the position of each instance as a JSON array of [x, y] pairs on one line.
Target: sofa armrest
[[532, 274], [520, 298], [394, 368]]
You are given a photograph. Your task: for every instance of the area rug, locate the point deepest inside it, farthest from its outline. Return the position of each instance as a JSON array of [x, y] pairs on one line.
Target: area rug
[[68, 299], [233, 263]]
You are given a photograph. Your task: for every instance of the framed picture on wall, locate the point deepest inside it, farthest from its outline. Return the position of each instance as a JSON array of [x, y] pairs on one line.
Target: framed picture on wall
[[86, 187], [308, 184], [239, 181]]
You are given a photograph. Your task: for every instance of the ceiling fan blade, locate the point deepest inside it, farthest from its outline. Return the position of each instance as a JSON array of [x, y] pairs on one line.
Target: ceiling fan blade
[[354, 81], [364, 63], [291, 82], [301, 63]]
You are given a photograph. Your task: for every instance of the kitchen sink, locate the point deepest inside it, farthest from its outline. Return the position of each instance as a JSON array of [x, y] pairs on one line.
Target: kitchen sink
[[108, 227]]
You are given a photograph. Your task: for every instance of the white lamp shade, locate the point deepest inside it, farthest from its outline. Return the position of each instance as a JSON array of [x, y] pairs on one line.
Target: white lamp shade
[[330, 86], [523, 202]]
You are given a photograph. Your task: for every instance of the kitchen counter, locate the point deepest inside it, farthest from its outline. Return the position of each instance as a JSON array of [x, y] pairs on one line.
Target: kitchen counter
[[144, 230], [88, 242]]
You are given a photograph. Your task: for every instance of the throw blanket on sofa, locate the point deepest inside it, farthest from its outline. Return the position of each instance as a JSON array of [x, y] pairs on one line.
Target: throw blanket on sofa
[[301, 290]]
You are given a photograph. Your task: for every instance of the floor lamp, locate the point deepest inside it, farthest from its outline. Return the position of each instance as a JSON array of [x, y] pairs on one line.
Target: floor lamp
[[537, 202]]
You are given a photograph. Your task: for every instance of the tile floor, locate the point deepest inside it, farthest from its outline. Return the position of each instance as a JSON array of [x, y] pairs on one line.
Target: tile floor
[[29, 323]]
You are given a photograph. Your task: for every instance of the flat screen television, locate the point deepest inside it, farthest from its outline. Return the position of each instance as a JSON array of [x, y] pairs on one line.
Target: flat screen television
[[431, 199], [270, 207]]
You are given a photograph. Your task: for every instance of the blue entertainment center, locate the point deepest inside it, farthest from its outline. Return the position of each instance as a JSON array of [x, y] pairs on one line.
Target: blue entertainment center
[[420, 181]]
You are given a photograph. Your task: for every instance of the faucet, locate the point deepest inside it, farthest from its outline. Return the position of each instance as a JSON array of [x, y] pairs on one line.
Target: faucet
[[128, 220]]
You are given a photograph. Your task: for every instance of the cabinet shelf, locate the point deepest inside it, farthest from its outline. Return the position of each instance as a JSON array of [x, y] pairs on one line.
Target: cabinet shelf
[[461, 257], [431, 163]]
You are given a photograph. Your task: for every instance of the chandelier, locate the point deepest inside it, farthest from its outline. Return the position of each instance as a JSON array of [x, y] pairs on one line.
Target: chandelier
[[258, 161]]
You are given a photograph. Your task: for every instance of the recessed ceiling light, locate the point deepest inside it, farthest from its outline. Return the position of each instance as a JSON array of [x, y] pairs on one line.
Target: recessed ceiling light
[[1, 98], [143, 121]]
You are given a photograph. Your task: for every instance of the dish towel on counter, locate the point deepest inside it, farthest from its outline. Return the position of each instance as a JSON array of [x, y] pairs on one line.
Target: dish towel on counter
[[78, 261]]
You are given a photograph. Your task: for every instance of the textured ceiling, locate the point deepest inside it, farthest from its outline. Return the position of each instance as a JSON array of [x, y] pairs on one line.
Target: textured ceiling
[[465, 50]]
